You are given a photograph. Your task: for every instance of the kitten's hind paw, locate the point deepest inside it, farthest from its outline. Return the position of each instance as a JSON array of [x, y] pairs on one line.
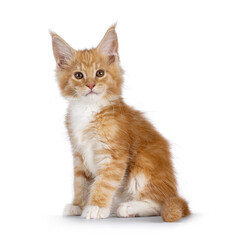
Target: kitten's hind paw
[[94, 212], [72, 210], [125, 210]]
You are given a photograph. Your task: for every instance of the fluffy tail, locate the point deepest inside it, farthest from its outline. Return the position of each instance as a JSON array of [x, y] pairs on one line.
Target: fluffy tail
[[174, 208]]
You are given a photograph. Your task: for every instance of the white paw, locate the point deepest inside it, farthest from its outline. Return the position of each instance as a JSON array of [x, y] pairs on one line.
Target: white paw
[[94, 212], [71, 210], [126, 210]]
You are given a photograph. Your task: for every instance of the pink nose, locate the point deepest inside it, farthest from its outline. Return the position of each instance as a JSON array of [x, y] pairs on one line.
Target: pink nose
[[91, 86]]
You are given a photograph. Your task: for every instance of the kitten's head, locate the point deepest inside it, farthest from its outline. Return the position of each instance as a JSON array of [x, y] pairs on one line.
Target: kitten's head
[[89, 75]]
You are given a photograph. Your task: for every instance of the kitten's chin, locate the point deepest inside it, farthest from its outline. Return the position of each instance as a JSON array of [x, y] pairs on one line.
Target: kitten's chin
[[88, 98], [92, 97]]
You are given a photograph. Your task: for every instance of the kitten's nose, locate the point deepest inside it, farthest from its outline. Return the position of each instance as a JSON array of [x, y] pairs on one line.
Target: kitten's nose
[[91, 86]]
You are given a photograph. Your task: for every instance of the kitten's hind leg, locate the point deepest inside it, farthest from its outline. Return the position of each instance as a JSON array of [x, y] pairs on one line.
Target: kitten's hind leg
[[142, 208]]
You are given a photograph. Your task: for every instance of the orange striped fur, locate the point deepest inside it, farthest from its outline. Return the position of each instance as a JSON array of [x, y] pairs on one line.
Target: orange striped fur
[[122, 164]]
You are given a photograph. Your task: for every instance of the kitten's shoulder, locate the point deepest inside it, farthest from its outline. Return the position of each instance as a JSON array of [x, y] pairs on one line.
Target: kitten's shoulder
[[121, 112]]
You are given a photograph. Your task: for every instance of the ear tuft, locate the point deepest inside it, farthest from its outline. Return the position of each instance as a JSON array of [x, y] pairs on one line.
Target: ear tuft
[[109, 44], [62, 52]]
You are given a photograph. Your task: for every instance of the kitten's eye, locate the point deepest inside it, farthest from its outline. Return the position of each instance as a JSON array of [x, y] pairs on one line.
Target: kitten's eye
[[78, 75], [100, 73]]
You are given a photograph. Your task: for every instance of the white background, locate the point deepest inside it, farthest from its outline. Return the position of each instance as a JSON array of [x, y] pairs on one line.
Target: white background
[[182, 68]]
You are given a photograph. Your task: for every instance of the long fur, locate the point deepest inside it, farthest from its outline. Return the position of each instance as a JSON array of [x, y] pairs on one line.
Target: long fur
[[121, 163]]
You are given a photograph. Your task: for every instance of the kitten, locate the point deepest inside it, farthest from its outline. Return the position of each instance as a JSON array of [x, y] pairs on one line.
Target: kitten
[[122, 164]]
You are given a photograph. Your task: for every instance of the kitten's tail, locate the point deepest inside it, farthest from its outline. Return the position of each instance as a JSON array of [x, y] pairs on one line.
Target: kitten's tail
[[174, 208]]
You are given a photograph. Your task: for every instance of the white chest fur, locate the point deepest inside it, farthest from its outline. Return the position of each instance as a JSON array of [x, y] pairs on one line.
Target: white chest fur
[[80, 116]]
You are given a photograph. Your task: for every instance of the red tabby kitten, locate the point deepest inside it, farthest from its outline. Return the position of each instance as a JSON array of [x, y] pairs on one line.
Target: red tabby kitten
[[122, 164]]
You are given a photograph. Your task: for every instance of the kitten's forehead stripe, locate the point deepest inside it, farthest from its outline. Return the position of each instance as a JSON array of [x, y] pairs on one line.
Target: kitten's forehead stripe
[[82, 66], [87, 64]]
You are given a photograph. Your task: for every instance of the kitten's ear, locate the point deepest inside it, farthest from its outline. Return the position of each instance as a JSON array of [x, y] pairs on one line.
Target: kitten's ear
[[109, 44], [62, 52]]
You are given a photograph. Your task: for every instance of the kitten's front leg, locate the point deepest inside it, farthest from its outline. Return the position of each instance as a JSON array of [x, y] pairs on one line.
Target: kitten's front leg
[[103, 189], [81, 186]]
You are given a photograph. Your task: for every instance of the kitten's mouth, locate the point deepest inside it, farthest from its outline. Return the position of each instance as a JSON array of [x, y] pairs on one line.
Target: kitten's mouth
[[91, 92]]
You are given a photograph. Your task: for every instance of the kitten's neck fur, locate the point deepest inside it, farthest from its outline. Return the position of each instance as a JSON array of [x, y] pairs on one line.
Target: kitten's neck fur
[[93, 107]]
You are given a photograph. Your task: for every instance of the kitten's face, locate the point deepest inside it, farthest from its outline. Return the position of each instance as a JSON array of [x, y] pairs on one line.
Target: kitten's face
[[89, 75]]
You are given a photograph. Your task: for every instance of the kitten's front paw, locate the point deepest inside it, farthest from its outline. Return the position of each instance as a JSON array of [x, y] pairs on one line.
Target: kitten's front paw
[[72, 210], [94, 212]]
